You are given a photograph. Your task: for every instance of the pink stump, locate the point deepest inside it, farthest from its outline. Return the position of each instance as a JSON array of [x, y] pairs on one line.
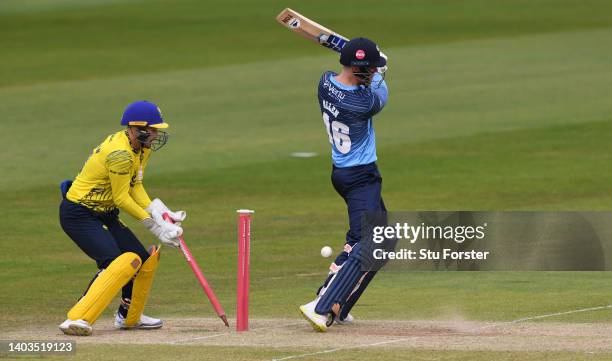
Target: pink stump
[[200, 276], [244, 251]]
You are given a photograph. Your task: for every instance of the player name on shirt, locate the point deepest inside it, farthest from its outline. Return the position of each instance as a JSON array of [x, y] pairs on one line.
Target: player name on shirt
[[331, 108]]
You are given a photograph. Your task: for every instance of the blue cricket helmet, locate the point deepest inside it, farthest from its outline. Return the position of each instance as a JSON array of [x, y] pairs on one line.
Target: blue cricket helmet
[[143, 114]]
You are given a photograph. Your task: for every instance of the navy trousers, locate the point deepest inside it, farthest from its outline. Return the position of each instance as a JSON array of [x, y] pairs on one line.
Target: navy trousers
[[360, 187], [101, 236]]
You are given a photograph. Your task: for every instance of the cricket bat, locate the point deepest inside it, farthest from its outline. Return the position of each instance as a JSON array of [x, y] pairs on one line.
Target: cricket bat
[[314, 31], [311, 30]]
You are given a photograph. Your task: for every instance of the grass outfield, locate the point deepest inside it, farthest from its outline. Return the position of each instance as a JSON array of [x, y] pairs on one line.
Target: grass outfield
[[494, 105]]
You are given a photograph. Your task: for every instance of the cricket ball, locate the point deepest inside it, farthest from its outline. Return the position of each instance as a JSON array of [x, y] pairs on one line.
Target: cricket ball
[[326, 251]]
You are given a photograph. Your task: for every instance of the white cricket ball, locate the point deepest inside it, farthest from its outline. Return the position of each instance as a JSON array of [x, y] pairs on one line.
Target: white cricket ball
[[326, 251]]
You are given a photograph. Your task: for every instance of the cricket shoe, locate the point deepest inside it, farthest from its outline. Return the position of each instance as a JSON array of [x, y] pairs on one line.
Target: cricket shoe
[[318, 322], [348, 320], [145, 323], [336, 311], [76, 327]]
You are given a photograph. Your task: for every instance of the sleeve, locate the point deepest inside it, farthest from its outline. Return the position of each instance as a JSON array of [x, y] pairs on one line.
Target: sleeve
[[119, 163], [138, 192], [380, 94], [140, 195]]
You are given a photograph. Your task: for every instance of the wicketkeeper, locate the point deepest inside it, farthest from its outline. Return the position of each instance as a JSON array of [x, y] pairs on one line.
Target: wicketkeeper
[[348, 102], [111, 179]]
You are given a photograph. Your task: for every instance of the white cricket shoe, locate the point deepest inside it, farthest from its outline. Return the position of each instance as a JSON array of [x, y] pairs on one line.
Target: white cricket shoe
[[347, 321], [76, 327], [318, 322], [145, 323]]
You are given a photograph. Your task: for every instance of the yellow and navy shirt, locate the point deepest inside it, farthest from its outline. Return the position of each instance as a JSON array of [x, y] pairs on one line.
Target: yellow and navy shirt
[[112, 178]]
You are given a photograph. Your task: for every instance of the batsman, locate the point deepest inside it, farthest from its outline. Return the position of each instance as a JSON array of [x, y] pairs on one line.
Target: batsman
[[112, 180], [348, 102]]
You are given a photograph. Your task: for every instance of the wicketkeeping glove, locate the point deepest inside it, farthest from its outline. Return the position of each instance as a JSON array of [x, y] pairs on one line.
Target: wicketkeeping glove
[[159, 206], [167, 232]]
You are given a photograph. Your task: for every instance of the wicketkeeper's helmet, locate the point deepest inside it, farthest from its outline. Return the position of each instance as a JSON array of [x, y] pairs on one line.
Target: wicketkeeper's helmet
[[143, 114]]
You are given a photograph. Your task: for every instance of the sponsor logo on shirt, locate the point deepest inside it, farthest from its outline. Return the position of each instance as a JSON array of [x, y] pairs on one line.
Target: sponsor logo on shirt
[[333, 91]]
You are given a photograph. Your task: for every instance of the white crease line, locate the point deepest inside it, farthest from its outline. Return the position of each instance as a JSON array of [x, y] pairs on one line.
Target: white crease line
[[343, 348], [474, 329], [196, 338], [544, 316], [187, 340]]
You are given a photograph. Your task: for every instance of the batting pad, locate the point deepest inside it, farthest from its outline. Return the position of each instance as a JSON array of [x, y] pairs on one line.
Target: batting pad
[[142, 286], [105, 287]]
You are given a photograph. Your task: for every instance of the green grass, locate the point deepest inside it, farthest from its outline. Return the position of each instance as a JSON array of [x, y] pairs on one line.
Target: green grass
[[494, 105], [110, 38]]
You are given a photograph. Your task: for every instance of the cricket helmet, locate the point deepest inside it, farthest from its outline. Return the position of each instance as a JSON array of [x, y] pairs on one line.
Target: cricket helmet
[[361, 52], [143, 114]]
